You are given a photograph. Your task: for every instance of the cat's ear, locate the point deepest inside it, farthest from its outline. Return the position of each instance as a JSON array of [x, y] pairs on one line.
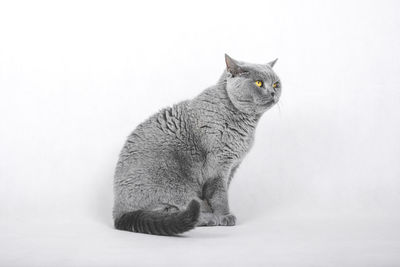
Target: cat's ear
[[272, 63], [232, 66]]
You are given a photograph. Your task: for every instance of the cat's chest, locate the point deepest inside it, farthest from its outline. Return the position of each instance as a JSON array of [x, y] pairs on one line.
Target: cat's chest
[[231, 142], [225, 150], [235, 144]]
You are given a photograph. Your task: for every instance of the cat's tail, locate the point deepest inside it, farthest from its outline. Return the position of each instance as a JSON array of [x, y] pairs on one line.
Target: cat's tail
[[160, 223]]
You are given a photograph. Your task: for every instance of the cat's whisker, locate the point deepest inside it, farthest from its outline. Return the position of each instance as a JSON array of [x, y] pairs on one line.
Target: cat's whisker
[[279, 109]]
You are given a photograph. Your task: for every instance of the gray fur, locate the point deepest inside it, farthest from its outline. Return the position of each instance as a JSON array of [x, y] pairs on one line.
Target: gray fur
[[191, 150]]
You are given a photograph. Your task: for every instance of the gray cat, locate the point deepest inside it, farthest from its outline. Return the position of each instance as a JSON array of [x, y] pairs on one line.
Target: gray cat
[[175, 168]]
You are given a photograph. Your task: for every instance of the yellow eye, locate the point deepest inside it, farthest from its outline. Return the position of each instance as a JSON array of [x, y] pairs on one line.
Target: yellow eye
[[275, 85], [259, 83]]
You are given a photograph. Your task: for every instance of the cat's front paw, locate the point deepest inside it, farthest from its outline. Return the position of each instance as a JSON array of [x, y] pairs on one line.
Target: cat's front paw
[[227, 220], [207, 219], [211, 219]]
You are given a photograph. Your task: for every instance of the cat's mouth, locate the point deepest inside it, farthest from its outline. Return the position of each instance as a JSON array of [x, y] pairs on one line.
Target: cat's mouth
[[269, 103]]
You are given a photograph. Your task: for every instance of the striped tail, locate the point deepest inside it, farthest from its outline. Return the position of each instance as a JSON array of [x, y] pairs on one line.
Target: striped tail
[[159, 223]]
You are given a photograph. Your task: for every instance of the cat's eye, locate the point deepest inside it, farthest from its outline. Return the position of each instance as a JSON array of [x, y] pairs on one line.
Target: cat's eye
[[259, 83], [274, 85]]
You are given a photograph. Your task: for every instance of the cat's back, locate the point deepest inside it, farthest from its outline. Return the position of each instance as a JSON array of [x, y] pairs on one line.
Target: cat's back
[[168, 133], [170, 124]]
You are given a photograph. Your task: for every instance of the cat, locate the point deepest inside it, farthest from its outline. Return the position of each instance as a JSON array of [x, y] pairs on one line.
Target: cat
[[174, 170]]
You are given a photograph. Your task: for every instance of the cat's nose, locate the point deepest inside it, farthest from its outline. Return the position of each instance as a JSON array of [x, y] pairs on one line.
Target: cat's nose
[[272, 94]]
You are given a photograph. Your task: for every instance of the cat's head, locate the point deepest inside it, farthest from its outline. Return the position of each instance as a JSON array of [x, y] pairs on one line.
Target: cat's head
[[252, 88]]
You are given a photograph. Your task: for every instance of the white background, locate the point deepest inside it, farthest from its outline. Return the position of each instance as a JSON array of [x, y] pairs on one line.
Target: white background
[[321, 186]]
